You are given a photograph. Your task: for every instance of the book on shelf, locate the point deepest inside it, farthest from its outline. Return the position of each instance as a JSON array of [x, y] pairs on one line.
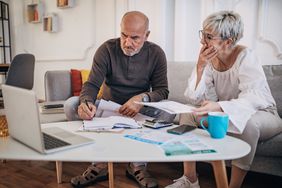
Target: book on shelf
[[62, 3], [49, 24], [36, 16]]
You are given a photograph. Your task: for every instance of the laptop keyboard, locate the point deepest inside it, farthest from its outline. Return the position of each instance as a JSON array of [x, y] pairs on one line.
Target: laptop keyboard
[[52, 142]]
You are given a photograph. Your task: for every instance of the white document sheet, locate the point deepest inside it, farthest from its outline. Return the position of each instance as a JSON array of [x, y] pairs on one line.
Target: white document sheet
[[185, 145], [109, 124], [171, 107], [151, 136], [110, 108]]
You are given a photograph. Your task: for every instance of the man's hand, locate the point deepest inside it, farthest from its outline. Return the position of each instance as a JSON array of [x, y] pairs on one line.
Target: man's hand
[[130, 108], [86, 112], [206, 107]]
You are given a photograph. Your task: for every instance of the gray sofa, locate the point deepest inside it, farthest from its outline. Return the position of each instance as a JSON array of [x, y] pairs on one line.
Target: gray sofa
[[268, 157]]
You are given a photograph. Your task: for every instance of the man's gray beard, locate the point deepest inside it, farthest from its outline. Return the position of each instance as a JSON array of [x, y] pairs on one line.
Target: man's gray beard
[[132, 53]]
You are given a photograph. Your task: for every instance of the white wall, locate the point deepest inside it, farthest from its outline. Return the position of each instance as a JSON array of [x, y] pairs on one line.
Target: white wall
[[174, 26]]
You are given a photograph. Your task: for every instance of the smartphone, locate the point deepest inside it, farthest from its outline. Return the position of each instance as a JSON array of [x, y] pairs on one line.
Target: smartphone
[[181, 129], [156, 123]]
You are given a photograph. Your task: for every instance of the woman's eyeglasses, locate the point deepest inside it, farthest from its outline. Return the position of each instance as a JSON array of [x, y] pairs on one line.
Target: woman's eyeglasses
[[207, 36]]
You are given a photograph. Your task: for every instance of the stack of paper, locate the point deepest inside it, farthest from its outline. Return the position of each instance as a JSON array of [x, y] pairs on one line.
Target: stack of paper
[[109, 124], [171, 107]]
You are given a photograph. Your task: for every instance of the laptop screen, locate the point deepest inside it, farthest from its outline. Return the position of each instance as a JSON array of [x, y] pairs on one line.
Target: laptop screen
[[21, 110]]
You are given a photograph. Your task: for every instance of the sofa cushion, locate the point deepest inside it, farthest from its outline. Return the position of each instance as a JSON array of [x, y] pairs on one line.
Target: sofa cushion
[[57, 85], [274, 77], [271, 147], [178, 74]]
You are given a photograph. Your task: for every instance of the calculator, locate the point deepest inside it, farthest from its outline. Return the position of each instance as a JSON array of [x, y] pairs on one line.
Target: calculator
[[156, 123]]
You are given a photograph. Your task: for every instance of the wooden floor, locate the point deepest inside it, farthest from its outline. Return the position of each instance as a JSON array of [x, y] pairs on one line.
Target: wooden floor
[[33, 174]]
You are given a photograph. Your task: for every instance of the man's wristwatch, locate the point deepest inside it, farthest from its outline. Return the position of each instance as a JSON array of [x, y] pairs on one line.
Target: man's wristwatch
[[145, 98]]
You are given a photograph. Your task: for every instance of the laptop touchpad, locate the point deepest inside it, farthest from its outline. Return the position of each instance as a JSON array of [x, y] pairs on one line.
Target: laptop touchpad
[[58, 132]]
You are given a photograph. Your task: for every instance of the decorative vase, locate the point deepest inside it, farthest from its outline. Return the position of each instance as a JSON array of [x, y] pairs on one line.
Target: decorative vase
[[3, 127]]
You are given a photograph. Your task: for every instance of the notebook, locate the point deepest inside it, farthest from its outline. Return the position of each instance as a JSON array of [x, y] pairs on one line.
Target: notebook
[[23, 119]]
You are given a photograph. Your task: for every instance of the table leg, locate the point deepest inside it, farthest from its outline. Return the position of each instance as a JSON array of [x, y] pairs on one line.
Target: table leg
[[59, 170], [219, 171], [111, 174]]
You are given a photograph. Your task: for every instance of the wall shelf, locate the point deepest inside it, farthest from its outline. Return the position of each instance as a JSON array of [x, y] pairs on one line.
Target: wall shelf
[[5, 36], [65, 3], [50, 23], [35, 12]]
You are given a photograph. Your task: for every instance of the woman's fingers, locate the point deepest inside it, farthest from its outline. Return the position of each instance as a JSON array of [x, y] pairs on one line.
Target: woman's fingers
[[201, 113], [204, 103], [203, 110], [204, 47], [208, 54], [212, 55], [209, 51]]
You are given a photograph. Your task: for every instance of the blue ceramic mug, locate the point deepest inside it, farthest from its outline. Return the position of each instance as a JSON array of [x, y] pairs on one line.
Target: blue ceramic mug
[[217, 124]]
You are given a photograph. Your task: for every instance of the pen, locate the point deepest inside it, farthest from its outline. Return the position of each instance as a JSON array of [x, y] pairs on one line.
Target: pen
[[87, 104], [97, 130]]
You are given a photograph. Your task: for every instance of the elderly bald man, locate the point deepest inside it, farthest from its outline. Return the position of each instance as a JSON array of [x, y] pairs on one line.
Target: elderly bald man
[[130, 69]]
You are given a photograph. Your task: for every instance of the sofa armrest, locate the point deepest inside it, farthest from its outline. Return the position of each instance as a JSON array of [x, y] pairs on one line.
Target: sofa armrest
[[57, 85]]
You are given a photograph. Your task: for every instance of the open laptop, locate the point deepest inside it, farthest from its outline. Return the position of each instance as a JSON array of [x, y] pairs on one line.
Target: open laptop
[[22, 114]]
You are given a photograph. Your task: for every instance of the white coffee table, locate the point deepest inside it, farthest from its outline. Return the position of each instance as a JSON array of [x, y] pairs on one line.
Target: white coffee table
[[112, 147]]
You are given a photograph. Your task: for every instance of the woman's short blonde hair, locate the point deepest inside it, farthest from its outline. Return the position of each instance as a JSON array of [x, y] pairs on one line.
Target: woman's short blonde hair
[[227, 24]]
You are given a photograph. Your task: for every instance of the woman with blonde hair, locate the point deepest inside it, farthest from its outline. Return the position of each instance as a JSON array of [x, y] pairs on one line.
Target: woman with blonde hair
[[228, 78]]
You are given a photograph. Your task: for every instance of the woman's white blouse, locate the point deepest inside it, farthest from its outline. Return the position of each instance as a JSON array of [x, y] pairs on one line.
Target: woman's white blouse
[[240, 91]]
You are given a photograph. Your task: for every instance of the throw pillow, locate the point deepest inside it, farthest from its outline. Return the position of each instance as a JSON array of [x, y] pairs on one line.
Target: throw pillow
[[84, 75], [76, 82], [78, 78], [100, 94]]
